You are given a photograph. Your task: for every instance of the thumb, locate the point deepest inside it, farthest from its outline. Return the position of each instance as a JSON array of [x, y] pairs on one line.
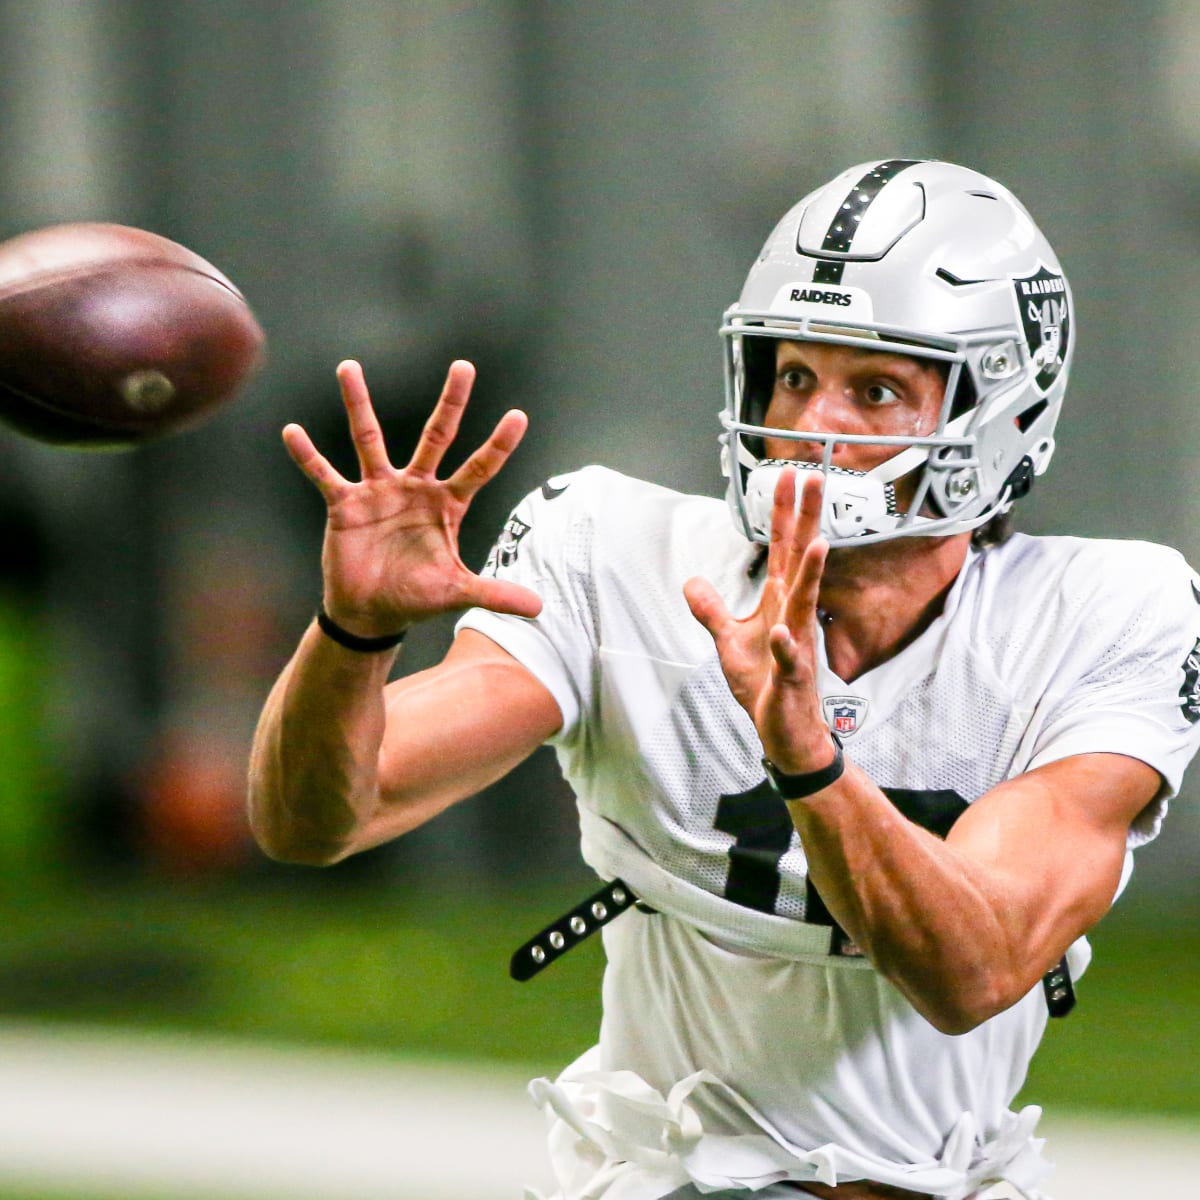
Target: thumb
[[784, 650], [499, 595], [706, 606]]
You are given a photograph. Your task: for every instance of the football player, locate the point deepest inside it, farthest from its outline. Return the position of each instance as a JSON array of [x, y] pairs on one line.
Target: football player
[[872, 763]]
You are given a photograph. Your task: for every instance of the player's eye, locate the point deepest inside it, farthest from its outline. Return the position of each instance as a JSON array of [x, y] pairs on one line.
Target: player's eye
[[793, 378], [879, 395]]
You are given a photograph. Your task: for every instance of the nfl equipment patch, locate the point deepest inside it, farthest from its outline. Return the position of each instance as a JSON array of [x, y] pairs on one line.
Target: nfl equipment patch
[[845, 714]]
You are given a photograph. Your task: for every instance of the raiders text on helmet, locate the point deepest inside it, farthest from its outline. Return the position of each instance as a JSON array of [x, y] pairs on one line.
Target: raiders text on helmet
[[926, 259]]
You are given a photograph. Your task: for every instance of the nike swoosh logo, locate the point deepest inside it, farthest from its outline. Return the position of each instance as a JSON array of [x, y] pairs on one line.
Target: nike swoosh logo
[[552, 493], [1195, 594]]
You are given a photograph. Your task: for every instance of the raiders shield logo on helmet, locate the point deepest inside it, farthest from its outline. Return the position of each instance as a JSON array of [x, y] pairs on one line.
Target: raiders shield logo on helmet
[[1046, 319]]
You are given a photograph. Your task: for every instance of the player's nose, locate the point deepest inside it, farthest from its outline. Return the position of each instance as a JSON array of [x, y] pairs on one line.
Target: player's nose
[[824, 409], [823, 412]]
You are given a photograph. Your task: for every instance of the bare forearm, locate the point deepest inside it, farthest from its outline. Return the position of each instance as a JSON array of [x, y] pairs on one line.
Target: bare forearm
[[314, 765], [928, 919]]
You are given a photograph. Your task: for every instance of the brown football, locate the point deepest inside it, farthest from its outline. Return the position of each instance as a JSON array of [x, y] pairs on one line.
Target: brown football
[[111, 336]]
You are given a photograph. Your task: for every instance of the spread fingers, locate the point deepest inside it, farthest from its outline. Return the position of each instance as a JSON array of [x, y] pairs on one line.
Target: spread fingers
[[485, 463], [364, 424], [442, 426], [313, 463]]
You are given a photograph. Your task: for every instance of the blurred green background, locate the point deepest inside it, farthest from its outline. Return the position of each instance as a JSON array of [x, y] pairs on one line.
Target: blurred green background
[[569, 194], [426, 974]]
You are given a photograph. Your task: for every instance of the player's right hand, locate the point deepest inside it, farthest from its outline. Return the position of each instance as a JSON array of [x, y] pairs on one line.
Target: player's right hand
[[390, 556], [769, 657]]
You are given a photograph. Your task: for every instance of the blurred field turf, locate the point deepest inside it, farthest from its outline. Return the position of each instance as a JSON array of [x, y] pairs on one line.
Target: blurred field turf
[[377, 967], [364, 968]]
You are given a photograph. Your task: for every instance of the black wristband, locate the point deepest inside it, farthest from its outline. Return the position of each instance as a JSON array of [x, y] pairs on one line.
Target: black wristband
[[796, 787], [331, 629]]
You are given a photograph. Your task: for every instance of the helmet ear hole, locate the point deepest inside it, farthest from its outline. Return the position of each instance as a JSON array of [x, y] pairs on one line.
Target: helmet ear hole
[[965, 395], [1031, 414]]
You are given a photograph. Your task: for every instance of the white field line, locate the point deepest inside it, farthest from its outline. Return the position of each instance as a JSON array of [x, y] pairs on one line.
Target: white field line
[[133, 1115]]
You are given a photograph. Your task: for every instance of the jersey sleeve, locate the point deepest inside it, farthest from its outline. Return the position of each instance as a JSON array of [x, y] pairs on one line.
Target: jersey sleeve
[[545, 545], [1132, 684]]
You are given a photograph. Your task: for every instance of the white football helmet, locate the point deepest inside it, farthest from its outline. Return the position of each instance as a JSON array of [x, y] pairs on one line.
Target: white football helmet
[[921, 258]]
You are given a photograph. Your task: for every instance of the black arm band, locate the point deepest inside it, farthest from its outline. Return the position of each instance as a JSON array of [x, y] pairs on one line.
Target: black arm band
[[796, 787], [331, 629]]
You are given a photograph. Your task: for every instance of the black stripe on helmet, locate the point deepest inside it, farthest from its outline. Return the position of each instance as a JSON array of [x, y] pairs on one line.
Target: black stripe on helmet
[[861, 196], [828, 270]]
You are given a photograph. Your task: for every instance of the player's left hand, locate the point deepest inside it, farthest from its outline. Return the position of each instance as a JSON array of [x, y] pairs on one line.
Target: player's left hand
[[770, 657]]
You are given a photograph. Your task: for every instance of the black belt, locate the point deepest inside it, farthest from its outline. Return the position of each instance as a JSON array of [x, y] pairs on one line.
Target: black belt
[[617, 897], [570, 929]]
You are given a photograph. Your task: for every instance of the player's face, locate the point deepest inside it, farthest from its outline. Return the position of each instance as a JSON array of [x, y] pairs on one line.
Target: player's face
[[842, 389]]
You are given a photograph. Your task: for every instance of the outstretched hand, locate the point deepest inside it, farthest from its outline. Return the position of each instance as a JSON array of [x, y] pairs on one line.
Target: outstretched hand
[[770, 657], [390, 555]]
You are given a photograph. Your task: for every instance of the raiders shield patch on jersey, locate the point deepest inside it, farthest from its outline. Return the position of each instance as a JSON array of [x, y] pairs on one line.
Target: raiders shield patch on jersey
[[1190, 692], [845, 714], [1046, 319], [504, 552]]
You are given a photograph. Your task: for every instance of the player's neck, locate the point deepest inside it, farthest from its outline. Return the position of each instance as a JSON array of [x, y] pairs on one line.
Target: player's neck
[[875, 600]]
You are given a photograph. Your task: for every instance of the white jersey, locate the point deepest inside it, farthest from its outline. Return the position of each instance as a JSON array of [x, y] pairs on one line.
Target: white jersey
[[735, 996]]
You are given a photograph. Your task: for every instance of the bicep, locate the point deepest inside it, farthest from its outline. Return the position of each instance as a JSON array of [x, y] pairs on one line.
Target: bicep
[[1053, 842], [454, 729]]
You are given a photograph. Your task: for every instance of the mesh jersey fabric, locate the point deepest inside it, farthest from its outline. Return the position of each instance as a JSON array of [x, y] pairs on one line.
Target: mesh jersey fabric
[[1046, 647]]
